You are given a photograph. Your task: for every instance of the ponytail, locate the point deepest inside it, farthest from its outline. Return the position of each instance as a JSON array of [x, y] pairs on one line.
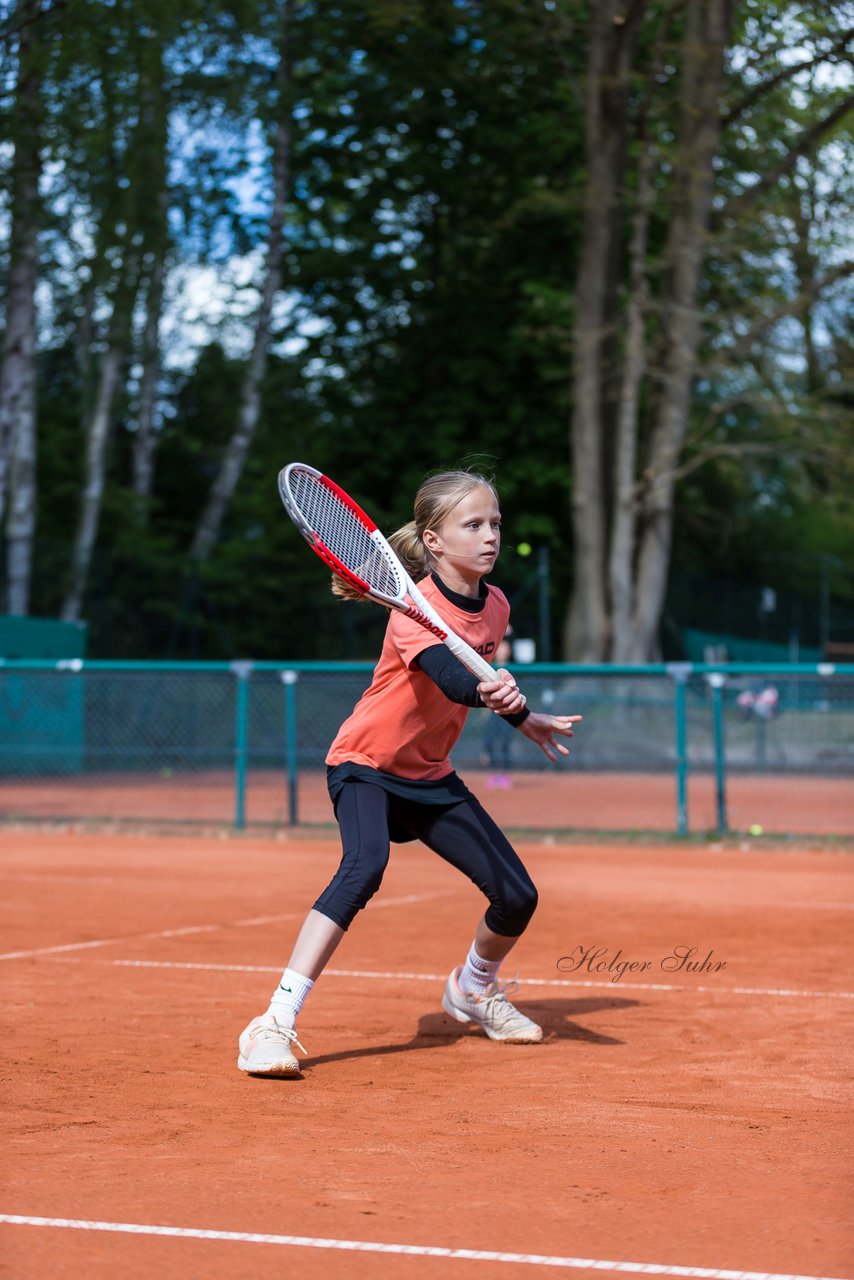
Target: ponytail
[[407, 545], [410, 550], [344, 591]]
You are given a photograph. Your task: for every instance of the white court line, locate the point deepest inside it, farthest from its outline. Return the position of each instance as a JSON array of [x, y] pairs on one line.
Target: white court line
[[106, 942], [610, 986], [139, 937], [413, 1250], [200, 928], [402, 976]]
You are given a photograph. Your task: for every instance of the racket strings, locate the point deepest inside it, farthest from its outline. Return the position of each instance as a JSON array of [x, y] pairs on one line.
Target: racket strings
[[341, 531]]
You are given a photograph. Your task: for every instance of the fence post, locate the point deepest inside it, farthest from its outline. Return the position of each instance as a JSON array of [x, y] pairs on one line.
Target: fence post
[[717, 680], [289, 680], [679, 673], [242, 671]]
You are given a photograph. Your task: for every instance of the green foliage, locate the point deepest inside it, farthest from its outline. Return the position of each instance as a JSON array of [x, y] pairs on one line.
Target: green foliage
[[432, 240]]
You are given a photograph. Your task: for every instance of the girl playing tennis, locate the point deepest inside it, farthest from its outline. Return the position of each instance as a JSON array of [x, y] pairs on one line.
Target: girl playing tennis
[[391, 779]]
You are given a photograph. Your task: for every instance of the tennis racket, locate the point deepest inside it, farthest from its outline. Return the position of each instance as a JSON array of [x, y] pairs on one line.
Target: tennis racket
[[346, 538]]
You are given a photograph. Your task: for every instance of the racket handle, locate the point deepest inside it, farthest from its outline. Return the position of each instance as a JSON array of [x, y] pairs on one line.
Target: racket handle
[[477, 665]]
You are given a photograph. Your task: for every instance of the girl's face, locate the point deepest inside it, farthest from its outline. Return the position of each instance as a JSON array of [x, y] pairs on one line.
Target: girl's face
[[466, 544]]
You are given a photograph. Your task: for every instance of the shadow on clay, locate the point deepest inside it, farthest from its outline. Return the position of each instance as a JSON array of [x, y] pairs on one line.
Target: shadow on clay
[[437, 1030]]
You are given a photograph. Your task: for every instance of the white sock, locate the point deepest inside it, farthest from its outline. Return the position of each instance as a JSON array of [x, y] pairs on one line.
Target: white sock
[[477, 974], [290, 995]]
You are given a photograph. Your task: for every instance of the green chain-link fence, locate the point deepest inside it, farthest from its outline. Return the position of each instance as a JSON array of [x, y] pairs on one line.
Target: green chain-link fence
[[244, 744]]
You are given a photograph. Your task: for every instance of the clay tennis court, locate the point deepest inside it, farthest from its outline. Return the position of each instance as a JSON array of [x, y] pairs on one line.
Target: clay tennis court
[[671, 1119], [559, 800]]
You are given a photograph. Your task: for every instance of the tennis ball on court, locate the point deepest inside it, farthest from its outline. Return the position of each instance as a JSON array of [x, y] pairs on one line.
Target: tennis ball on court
[[755, 829], [524, 548]]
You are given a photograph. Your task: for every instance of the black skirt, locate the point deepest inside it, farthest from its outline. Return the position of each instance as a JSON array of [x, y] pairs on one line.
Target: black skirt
[[446, 791]]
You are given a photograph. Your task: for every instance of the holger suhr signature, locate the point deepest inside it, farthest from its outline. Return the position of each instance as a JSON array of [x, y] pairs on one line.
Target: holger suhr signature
[[596, 959]]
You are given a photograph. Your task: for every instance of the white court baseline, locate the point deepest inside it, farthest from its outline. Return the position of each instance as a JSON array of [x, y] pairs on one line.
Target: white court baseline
[[528, 981], [412, 1250], [187, 930]]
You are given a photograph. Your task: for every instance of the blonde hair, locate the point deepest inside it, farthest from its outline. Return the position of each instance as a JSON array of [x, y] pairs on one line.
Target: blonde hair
[[434, 502]]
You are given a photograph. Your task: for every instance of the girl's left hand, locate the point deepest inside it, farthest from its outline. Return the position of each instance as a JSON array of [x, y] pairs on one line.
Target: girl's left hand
[[541, 729]]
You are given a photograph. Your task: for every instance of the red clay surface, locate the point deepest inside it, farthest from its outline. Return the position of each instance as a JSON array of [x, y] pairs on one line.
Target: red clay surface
[[556, 799], [675, 1119]]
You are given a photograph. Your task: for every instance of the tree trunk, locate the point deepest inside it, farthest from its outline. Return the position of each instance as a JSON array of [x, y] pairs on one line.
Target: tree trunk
[[98, 434], [621, 562], [152, 152], [21, 520], [233, 462], [586, 630], [17, 373], [805, 261], [707, 29], [622, 528], [133, 229], [145, 440], [98, 427]]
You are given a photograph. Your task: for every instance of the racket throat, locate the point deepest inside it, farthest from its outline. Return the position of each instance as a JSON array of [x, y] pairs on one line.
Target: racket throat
[[418, 615]]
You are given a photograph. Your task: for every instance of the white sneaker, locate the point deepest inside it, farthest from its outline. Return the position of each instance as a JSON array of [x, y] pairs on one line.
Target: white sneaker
[[265, 1048], [499, 1018]]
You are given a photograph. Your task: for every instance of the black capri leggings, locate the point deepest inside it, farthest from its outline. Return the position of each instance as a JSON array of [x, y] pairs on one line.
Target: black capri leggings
[[463, 834]]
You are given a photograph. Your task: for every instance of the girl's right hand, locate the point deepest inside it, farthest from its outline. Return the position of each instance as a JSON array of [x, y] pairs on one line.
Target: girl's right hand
[[502, 695]]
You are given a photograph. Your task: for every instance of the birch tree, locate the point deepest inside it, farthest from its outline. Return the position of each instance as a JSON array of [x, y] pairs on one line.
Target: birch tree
[[155, 108], [131, 245], [249, 407], [98, 429], [145, 438], [29, 23], [116, 273]]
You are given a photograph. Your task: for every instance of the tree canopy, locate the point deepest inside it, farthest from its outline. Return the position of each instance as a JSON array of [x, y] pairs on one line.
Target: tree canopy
[[598, 249]]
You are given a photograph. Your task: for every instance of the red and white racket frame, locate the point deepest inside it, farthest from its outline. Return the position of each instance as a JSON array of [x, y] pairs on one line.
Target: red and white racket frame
[[416, 607]]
